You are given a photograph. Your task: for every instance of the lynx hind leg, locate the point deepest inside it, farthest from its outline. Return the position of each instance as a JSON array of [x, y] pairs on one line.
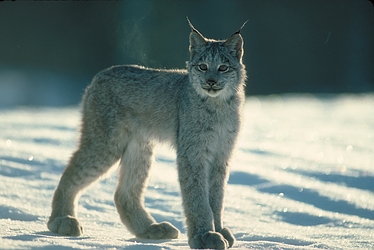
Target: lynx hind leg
[[86, 166], [129, 196]]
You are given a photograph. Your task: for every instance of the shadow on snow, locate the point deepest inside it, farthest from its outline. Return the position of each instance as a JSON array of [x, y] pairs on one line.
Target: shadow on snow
[[307, 196]]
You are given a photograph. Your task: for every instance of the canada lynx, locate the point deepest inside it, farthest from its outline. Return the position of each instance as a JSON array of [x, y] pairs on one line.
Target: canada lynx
[[127, 108]]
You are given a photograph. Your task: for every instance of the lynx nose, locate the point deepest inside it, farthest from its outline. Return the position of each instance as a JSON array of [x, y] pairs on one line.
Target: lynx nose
[[211, 82]]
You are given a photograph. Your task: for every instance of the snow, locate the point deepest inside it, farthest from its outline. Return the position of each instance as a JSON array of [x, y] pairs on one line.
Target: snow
[[302, 177]]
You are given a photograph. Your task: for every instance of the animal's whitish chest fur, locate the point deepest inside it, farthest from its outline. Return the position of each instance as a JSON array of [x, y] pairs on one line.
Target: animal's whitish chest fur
[[209, 128], [226, 127]]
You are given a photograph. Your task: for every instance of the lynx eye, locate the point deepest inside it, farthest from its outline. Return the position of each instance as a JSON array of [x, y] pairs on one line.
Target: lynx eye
[[223, 68], [203, 67]]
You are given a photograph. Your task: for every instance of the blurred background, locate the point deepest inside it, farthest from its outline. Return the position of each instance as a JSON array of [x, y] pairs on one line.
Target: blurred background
[[49, 51]]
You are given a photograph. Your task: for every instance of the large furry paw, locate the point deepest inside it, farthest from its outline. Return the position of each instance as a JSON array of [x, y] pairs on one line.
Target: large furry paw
[[211, 240], [66, 225], [227, 234], [157, 231]]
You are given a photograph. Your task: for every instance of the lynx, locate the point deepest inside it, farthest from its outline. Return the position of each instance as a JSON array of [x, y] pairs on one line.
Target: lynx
[[126, 109]]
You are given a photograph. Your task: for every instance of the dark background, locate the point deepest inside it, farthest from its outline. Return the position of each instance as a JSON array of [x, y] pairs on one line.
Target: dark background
[[49, 51]]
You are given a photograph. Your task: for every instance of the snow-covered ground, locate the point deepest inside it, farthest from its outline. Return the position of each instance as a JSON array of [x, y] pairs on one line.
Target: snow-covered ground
[[302, 178]]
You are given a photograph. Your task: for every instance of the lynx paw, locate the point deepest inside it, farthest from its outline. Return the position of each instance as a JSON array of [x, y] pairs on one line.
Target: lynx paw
[[66, 225], [227, 234], [157, 231], [211, 240]]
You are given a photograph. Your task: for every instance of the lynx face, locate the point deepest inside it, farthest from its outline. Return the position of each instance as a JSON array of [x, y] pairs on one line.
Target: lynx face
[[215, 67]]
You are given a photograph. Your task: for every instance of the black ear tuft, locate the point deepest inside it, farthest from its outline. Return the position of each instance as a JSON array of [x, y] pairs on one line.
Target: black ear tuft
[[192, 27], [241, 27]]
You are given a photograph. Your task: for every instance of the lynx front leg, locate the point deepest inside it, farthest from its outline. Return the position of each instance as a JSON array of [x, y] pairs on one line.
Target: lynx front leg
[[193, 177], [129, 197], [217, 181]]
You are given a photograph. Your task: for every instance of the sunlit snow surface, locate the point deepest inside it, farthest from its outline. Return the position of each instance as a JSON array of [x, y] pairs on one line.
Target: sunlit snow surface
[[302, 177]]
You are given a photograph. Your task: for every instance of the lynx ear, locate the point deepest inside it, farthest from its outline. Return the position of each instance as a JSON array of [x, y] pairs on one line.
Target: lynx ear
[[197, 40], [235, 44]]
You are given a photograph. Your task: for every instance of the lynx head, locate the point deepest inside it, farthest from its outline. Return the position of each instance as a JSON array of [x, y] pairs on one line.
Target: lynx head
[[215, 67]]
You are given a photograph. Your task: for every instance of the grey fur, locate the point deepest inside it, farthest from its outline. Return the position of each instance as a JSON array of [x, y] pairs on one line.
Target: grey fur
[[126, 109]]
